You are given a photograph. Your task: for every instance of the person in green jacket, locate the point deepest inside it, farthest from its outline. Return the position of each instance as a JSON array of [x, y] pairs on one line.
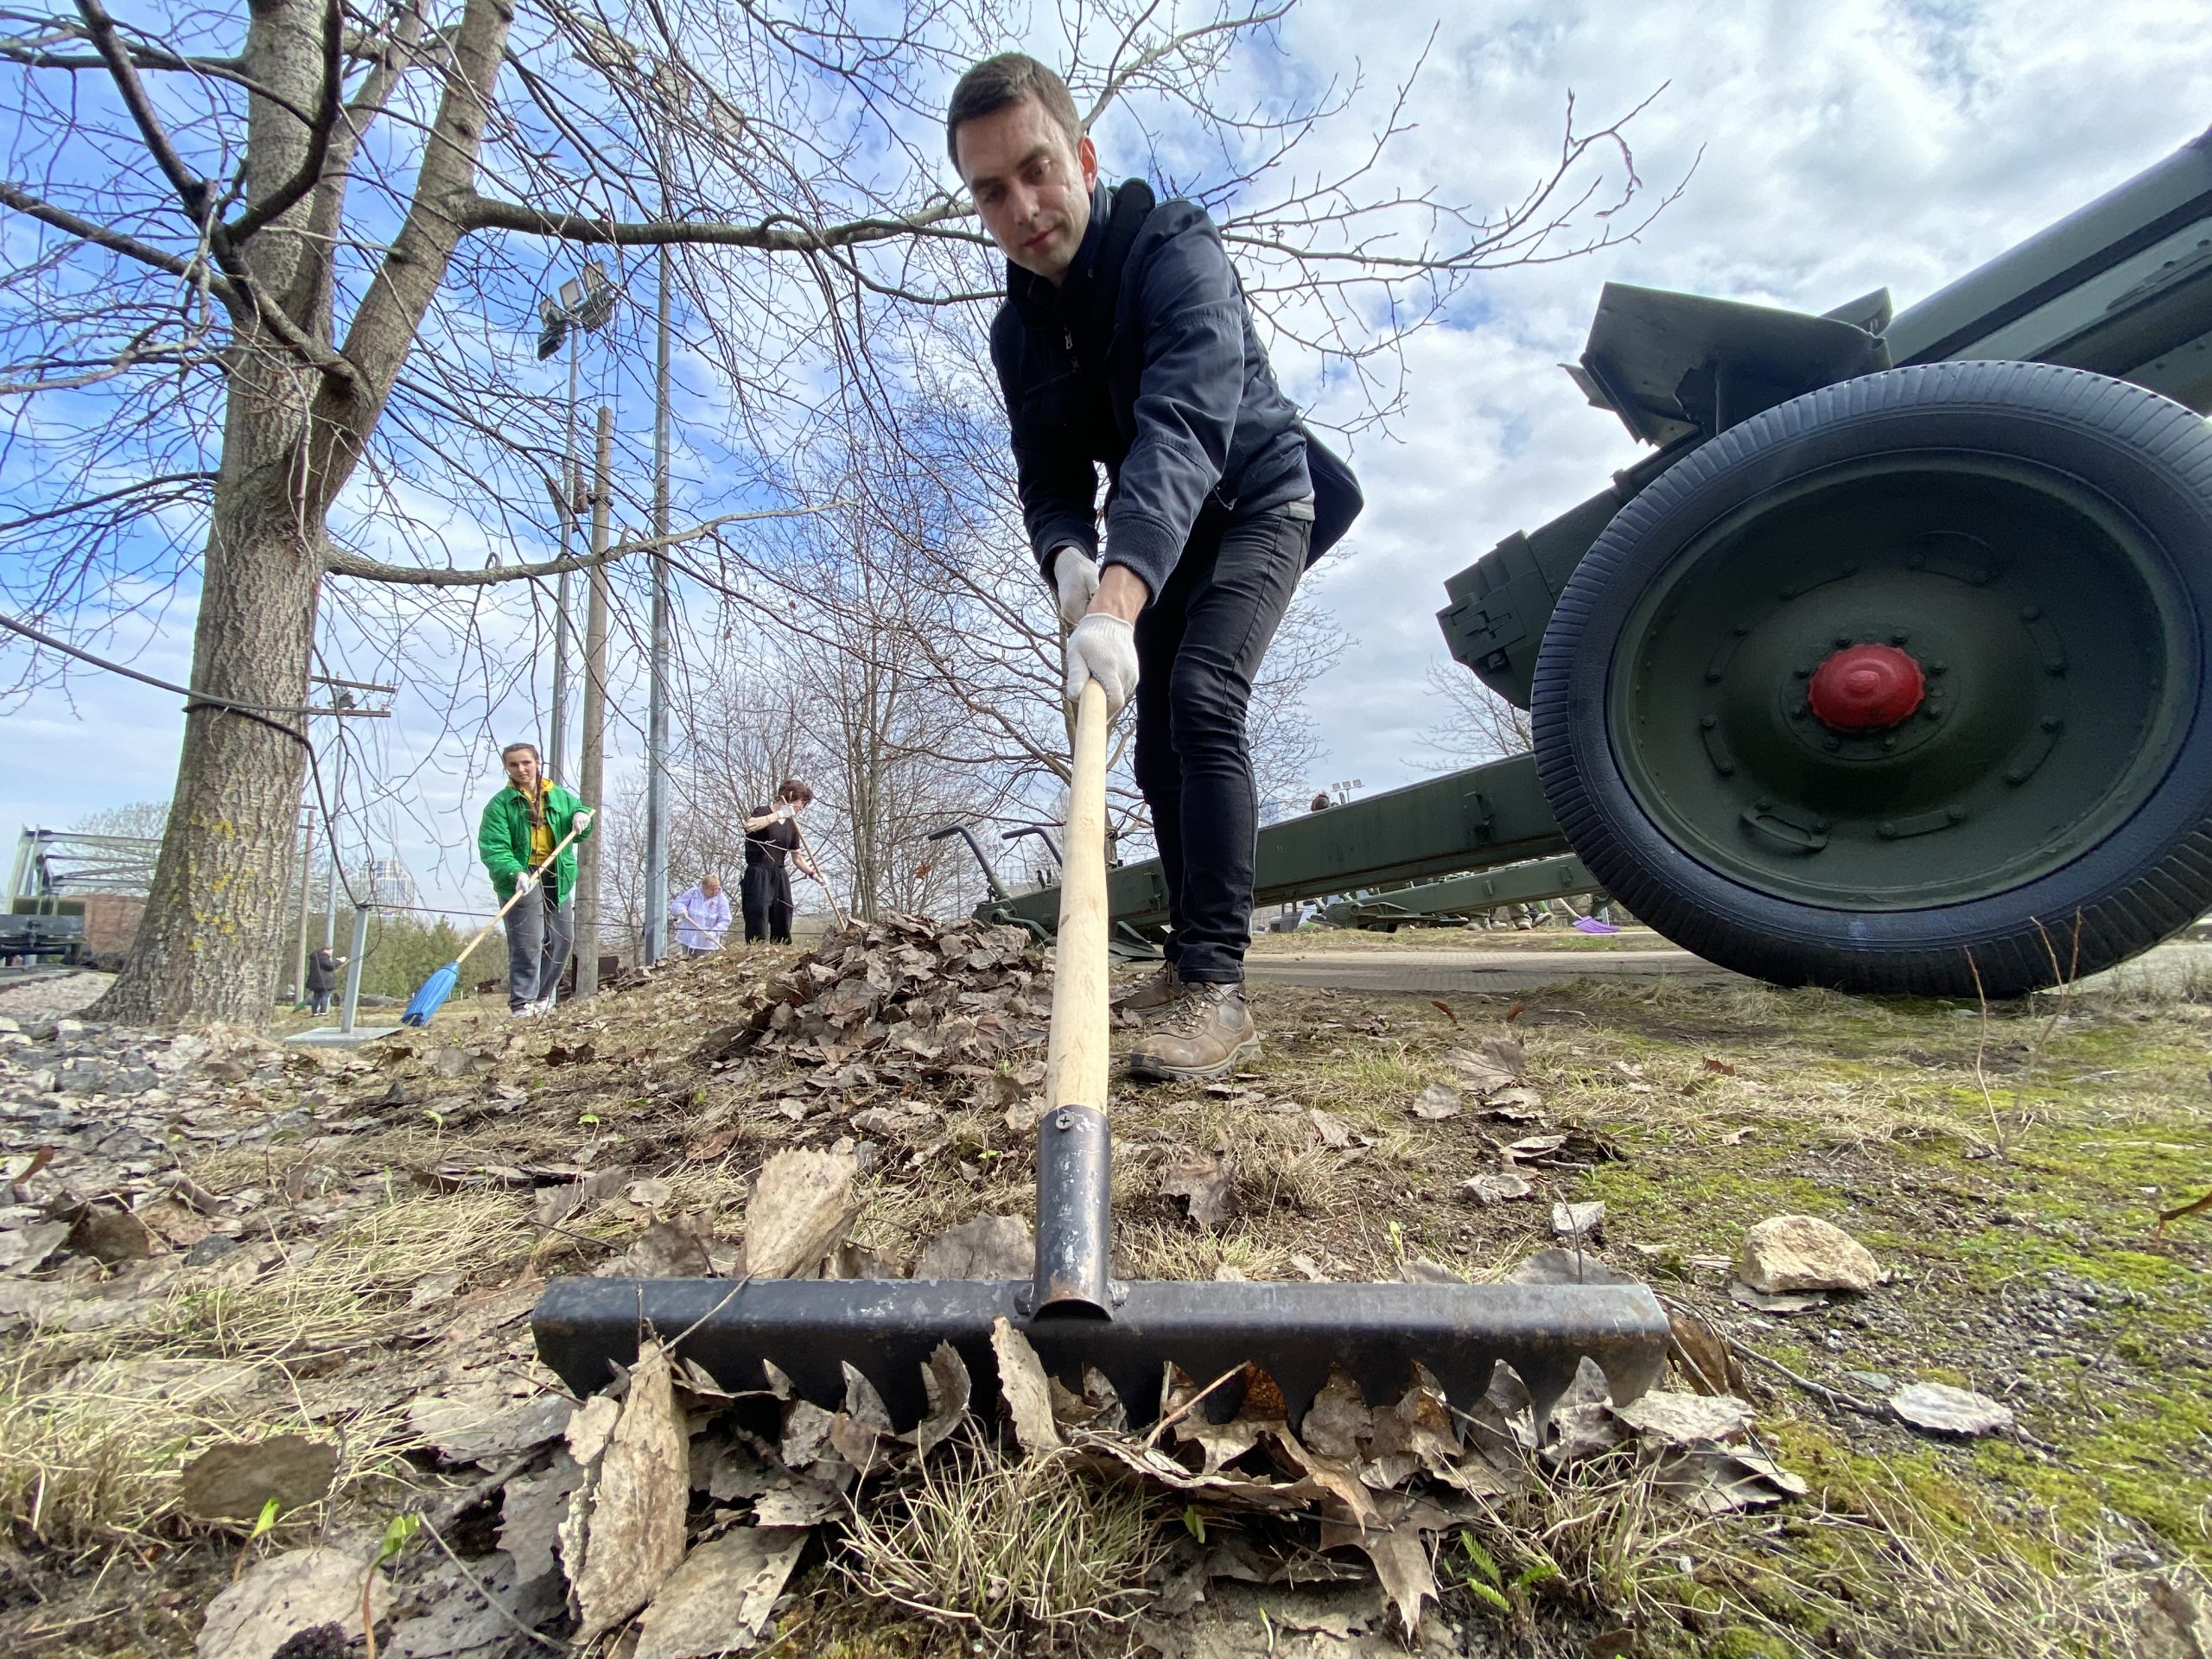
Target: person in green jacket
[[522, 825]]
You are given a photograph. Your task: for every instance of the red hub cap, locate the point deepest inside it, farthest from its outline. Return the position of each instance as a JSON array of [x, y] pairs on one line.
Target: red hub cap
[[1865, 688]]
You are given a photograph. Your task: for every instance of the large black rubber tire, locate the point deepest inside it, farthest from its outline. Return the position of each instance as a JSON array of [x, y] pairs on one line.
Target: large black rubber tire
[[2140, 454]]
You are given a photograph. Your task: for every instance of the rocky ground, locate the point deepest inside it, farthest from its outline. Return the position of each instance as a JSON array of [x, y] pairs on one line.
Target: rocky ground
[[47, 994], [269, 1368]]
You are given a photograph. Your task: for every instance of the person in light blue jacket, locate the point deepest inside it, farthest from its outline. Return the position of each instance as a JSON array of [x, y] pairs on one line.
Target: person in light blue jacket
[[701, 917]]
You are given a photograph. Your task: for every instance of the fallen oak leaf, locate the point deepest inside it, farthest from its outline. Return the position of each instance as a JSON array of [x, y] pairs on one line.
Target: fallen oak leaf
[[1203, 1184], [236, 1483], [720, 1599], [634, 1538], [1437, 1103], [1023, 1386], [801, 1206], [947, 1388]]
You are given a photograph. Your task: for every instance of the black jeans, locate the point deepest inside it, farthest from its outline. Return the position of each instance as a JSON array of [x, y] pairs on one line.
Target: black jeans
[[1200, 643]]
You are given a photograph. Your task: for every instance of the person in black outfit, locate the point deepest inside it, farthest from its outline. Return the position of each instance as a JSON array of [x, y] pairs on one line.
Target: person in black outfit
[[322, 978], [770, 839], [1125, 339]]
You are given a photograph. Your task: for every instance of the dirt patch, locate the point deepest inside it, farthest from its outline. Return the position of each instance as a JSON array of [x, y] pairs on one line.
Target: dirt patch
[[1456, 936]]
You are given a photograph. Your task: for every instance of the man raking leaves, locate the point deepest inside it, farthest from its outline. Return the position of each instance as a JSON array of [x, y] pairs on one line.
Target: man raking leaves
[[1125, 340]]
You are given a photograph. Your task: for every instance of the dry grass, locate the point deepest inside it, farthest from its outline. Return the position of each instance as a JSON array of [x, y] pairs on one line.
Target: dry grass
[[90, 1459], [95, 1427], [1004, 1547], [1889, 1578], [353, 1288]]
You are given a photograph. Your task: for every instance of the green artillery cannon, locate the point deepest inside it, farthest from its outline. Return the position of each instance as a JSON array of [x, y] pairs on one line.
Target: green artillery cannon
[[1891, 669]]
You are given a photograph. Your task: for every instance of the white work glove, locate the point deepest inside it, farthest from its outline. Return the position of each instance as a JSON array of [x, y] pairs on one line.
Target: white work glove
[[786, 812], [524, 883], [581, 820], [1103, 648], [1075, 579]]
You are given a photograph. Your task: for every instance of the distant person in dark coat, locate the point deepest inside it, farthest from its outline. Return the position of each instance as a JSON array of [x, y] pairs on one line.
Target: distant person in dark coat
[[322, 978], [771, 840]]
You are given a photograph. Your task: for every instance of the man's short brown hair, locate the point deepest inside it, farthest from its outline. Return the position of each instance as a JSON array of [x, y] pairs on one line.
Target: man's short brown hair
[[791, 789], [1007, 78]]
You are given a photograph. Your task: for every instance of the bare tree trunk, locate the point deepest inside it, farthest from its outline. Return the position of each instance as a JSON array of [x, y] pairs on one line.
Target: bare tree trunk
[[202, 951]]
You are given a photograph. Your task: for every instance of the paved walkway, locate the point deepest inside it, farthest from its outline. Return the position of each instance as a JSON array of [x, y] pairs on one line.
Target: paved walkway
[[1414, 971]]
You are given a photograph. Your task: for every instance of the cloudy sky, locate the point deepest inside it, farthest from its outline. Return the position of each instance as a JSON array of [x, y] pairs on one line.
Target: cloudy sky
[[1836, 150]]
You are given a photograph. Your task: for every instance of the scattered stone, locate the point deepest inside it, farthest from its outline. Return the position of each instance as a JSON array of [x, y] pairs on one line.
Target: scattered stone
[[1794, 1253], [1578, 1221], [1941, 1409], [1496, 1186], [1786, 1302]]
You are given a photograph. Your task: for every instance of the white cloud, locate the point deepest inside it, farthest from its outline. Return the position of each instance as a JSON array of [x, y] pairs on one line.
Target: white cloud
[[1844, 148]]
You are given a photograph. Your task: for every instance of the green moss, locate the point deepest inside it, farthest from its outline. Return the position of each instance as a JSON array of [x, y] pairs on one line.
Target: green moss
[[2127, 1467], [1740, 1643]]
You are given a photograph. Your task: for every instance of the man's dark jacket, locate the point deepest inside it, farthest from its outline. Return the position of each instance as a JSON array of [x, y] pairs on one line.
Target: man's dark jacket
[[1145, 358]]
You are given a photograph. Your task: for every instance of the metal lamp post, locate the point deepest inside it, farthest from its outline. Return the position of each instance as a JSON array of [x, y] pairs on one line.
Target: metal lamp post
[[655, 943], [584, 305]]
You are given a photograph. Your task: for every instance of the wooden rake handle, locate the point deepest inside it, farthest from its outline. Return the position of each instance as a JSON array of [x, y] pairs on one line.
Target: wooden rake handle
[[827, 891], [539, 872], [1075, 1060]]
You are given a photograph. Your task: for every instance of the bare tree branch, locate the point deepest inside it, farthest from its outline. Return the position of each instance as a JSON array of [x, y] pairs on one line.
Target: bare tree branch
[[339, 563]]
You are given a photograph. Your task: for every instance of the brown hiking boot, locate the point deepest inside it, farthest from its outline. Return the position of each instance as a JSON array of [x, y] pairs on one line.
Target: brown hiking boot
[[1208, 1031], [1157, 991]]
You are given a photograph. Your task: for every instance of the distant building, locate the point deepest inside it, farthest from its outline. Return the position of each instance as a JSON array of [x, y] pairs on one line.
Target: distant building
[[391, 884]]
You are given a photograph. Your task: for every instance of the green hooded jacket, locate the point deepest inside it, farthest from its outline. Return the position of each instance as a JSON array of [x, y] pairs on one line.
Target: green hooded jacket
[[503, 839]]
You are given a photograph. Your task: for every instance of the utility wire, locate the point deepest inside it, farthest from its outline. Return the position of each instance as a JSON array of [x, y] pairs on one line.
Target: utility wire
[[186, 691]]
